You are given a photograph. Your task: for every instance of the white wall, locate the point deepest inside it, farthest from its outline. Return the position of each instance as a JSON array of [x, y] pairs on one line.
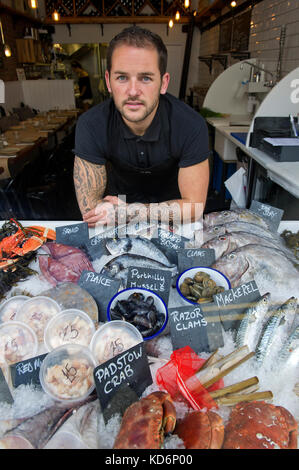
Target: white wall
[[174, 41]]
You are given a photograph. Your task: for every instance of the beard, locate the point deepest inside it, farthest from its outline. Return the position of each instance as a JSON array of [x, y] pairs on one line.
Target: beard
[[141, 114]]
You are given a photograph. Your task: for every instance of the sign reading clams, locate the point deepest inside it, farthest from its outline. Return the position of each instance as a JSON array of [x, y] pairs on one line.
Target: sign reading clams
[[101, 287], [73, 235], [191, 257], [127, 368]]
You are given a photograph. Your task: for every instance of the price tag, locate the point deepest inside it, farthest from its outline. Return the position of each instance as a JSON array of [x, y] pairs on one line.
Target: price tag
[[191, 326], [233, 302], [130, 368], [272, 215], [27, 371], [96, 247], [191, 257], [73, 235], [5, 395], [157, 280], [102, 288]]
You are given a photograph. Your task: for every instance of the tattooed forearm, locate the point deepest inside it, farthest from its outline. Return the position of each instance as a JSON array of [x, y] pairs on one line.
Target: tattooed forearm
[[90, 182]]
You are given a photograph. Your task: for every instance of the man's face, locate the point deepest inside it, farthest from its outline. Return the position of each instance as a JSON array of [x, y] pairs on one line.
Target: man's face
[[135, 83]]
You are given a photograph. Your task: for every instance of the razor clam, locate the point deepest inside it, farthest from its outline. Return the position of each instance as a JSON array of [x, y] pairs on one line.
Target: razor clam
[[251, 322], [137, 246], [269, 332]]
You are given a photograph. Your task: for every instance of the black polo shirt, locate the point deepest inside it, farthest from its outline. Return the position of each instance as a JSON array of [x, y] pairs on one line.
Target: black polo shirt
[[177, 132]]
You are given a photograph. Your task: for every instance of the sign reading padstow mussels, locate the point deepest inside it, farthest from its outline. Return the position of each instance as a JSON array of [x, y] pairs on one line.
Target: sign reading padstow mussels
[[127, 368], [231, 304], [74, 235], [190, 257], [101, 287], [272, 215], [190, 326], [157, 280], [27, 371]]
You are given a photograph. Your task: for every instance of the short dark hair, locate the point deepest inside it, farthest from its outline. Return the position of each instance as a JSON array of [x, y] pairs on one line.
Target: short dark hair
[[75, 64], [139, 37]]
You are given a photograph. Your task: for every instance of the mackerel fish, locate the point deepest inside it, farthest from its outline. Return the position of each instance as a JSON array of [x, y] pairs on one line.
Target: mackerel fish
[[251, 322], [270, 329], [244, 215], [137, 246], [289, 352]]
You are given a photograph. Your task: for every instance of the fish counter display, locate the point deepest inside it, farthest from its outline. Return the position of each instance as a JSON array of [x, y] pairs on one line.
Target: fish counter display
[[148, 336]]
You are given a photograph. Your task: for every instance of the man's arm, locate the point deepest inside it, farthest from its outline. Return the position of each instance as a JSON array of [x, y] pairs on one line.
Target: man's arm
[[90, 183]]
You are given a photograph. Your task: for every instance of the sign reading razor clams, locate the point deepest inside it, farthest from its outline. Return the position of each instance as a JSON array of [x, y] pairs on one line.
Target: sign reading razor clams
[[189, 325]]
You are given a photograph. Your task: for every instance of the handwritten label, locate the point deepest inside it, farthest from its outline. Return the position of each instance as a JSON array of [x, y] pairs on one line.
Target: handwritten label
[[5, 395], [189, 325], [233, 302], [169, 243], [190, 257], [272, 215], [157, 280], [128, 368], [102, 288], [73, 235], [27, 372]]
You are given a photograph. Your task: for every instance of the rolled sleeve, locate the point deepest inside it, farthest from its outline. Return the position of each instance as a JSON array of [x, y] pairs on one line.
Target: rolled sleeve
[[196, 146]]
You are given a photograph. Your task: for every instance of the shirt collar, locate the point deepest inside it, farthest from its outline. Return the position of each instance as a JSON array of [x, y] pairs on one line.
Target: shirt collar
[[152, 134]]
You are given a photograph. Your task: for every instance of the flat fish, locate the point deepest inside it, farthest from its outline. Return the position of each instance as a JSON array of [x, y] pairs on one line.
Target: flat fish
[[269, 267], [228, 242], [80, 431], [137, 246], [251, 322], [244, 215], [270, 329]]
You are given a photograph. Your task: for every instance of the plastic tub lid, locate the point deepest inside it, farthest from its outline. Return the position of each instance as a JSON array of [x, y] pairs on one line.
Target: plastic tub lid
[[37, 312], [113, 338], [69, 326], [66, 373], [17, 342], [9, 308]]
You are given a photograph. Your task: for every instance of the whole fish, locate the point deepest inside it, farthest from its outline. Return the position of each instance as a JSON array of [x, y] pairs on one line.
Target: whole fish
[[80, 430], [244, 215], [137, 246], [118, 266], [272, 271], [239, 226], [251, 322], [225, 243], [132, 229], [289, 352], [269, 332]]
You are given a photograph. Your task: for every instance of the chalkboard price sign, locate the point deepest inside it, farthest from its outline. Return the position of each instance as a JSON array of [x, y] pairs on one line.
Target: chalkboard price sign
[[73, 235], [101, 287], [5, 395], [27, 372], [169, 243], [128, 368], [272, 215], [190, 326], [191, 257], [157, 280]]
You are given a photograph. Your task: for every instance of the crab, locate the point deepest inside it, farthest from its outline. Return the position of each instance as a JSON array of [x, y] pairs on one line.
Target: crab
[[23, 241], [145, 422], [260, 425], [201, 430]]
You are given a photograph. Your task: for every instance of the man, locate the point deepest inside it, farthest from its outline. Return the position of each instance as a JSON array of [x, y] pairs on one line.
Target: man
[[142, 143], [84, 85]]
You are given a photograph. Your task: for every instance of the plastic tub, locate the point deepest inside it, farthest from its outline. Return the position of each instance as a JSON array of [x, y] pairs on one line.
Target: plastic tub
[[69, 326], [113, 338], [17, 342], [66, 373], [158, 304], [9, 308], [37, 312]]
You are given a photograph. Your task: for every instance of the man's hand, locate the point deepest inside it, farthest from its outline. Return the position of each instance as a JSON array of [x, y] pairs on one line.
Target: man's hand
[[106, 212]]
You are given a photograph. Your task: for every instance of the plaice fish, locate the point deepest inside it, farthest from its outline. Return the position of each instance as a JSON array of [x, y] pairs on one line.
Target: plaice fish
[[137, 246], [239, 226], [272, 271], [244, 215], [79, 431], [228, 242], [270, 329], [251, 322]]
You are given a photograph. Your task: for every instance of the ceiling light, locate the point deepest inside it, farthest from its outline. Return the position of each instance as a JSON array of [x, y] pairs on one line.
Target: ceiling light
[[187, 3], [32, 4], [55, 15], [177, 15], [7, 51], [233, 4], [170, 24]]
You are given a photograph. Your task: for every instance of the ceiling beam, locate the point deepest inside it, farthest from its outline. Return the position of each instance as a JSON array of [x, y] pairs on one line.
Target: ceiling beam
[[116, 20]]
